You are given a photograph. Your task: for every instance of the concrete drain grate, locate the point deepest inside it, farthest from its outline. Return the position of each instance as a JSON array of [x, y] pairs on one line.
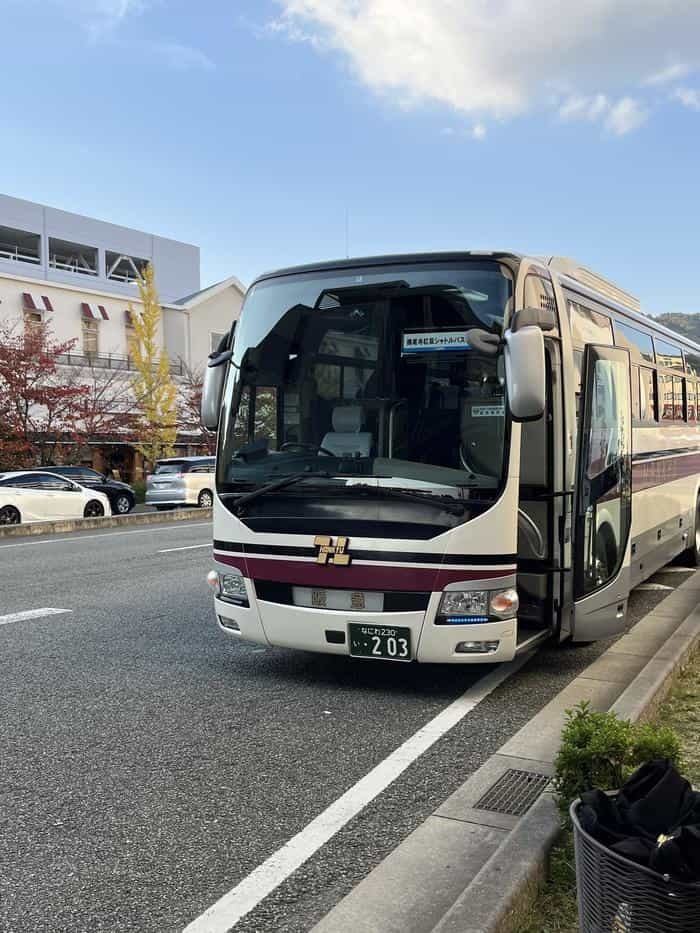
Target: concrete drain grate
[[514, 792]]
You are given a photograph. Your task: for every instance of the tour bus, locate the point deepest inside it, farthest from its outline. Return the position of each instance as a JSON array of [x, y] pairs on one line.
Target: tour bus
[[446, 457]]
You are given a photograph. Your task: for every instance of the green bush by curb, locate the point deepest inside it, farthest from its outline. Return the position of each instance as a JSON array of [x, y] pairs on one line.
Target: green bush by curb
[[600, 750]]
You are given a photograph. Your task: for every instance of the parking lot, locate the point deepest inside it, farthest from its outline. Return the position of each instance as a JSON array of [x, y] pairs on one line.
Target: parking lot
[[149, 764]]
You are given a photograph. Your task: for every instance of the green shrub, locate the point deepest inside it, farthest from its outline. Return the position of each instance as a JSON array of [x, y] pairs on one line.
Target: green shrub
[[600, 750], [139, 488]]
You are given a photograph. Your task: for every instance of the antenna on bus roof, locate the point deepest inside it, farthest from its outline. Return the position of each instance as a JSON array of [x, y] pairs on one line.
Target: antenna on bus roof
[[598, 283]]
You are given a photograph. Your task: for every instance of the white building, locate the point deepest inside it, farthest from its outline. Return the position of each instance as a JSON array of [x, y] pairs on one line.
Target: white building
[[79, 274]]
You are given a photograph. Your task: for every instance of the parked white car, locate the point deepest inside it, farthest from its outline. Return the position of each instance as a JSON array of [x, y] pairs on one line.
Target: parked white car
[[40, 496]]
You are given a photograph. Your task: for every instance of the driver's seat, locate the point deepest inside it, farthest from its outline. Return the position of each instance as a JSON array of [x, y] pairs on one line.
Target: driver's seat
[[346, 439]]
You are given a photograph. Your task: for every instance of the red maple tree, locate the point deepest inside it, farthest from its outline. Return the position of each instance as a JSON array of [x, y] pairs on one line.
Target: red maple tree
[[38, 397]]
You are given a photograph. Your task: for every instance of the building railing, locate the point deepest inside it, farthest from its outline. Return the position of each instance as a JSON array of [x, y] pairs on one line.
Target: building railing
[[72, 267], [113, 361], [129, 278], [16, 255]]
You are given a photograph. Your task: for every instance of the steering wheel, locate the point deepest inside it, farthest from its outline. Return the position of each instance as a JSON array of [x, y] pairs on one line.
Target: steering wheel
[[299, 445]]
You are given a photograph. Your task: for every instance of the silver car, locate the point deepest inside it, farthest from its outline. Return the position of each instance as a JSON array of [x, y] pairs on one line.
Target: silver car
[[181, 481]]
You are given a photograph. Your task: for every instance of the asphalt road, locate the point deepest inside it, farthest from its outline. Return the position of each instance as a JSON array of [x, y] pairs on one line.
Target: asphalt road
[[148, 764]]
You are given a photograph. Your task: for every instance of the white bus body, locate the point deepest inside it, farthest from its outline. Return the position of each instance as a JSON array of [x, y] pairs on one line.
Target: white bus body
[[383, 488]]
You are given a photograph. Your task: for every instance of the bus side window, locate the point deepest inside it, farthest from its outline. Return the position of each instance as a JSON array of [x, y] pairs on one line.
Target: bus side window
[[647, 395], [666, 406], [589, 326], [636, 402], [678, 399]]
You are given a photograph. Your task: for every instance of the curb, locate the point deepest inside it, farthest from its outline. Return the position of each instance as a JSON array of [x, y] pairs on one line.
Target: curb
[[114, 521], [631, 679]]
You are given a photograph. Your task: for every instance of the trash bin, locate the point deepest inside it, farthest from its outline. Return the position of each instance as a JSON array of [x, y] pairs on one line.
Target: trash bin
[[616, 895]]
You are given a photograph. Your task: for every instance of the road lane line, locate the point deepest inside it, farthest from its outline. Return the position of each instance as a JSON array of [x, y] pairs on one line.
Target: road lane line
[[107, 533], [189, 547], [239, 901], [31, 614]]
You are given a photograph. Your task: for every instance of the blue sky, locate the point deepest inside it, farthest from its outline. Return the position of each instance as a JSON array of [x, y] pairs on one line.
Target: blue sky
[[250, 128]]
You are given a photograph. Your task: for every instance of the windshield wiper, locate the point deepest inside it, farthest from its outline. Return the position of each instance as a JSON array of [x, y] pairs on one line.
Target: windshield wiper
[[279, 484], [454, 506]]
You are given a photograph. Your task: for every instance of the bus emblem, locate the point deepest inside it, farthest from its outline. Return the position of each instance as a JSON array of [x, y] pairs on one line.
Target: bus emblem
[[329, 553]]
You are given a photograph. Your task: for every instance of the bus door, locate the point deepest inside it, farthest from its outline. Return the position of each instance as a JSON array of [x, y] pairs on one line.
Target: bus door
[[536, 510], [603, 495]]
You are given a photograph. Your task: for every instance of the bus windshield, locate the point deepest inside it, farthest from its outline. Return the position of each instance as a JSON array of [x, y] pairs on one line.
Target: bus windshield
[[369, 372]]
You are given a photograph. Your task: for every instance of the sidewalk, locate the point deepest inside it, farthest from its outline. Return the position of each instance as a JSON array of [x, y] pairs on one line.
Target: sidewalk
[[555, 910]]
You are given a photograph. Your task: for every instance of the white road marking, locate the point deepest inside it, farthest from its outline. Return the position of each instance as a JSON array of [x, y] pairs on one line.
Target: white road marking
[[676, 570], [31, 614], [239, 901], [189, 547], [109, 534], [653, 586]]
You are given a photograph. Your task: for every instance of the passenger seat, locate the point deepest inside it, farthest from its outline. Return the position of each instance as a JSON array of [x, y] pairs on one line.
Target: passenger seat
[[346, 439]]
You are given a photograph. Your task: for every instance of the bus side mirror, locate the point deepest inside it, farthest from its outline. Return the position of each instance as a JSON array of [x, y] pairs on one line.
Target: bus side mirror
[[213, 388], [525, 369], [214, 379]]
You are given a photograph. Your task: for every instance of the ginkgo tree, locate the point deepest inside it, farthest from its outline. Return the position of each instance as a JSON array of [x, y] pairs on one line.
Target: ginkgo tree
[[154, 391]]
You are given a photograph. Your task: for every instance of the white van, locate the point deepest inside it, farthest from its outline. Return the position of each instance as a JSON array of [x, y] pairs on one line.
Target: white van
[[181, 481]]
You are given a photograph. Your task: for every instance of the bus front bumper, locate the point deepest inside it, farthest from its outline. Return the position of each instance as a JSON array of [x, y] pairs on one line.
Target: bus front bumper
[[326, 631]]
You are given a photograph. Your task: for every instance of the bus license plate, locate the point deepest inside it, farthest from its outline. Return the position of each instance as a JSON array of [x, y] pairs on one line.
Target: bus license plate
[[380, 641]]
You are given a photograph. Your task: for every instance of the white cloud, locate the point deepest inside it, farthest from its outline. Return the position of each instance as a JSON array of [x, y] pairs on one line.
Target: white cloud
[[479, 132], [106, 22], [625, 116], [103, 16], [584, 108], [619, 117], [672, 73], [501, 59], [688, 97], [171, 54]]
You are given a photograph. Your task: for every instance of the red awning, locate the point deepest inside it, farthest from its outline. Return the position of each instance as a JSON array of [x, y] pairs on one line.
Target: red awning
[[34, 303], [94, 312]]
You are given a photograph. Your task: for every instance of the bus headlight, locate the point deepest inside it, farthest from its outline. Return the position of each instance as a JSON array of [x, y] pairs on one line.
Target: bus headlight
[[230, 587], [464, 607], [464, 603]]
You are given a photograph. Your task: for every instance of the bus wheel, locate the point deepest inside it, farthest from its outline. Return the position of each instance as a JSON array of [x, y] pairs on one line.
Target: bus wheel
[[694, 549], [603, 556]]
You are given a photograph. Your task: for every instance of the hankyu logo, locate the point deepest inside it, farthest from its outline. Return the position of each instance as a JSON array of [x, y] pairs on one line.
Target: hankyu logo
[[329, 553]]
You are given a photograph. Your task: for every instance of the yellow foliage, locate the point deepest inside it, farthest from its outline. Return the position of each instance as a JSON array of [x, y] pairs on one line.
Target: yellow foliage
[[154, 389]]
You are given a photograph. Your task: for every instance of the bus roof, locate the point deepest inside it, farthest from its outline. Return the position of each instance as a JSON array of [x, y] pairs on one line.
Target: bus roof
[[389, 260]]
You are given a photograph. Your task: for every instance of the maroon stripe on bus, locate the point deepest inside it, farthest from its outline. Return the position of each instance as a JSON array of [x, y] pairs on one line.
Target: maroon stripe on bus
[[356, 576], [649, 473]]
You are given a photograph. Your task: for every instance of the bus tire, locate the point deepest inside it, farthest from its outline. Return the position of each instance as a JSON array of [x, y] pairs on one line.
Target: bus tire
[[693, 552]]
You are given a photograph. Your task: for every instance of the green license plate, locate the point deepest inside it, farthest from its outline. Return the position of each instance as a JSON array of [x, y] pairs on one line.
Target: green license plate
[[388, 642]]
